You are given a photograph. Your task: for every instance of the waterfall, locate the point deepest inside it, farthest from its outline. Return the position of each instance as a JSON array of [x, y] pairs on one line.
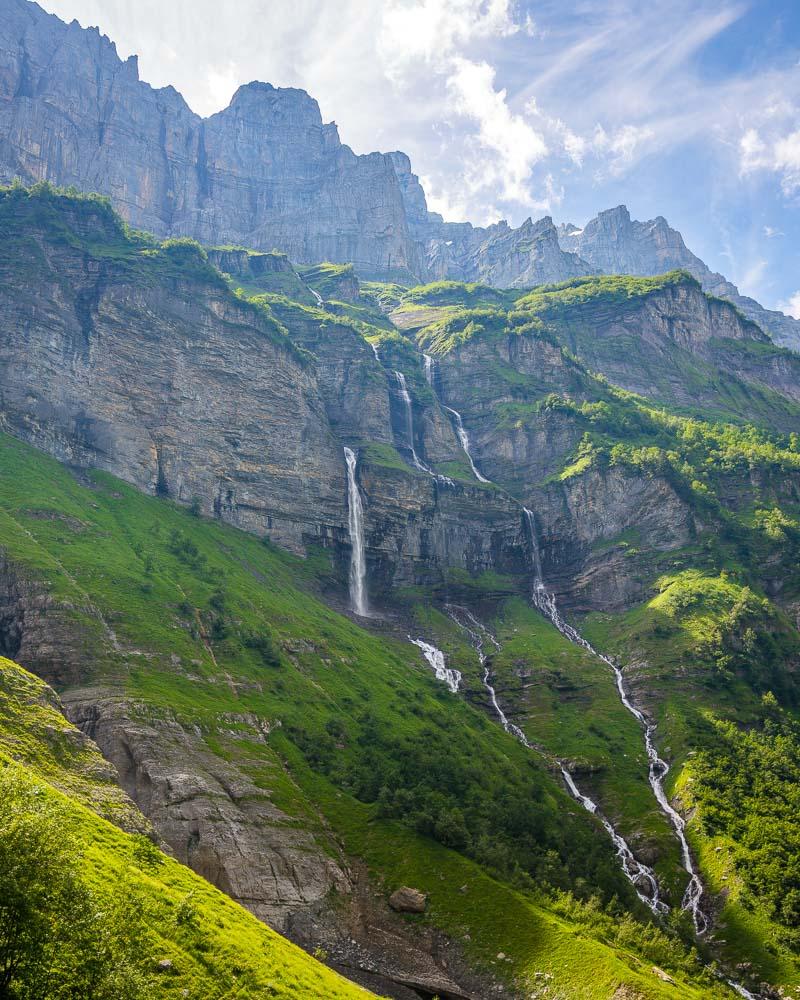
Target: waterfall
[[436, 659], [463, 437], [408, 413], [641, 877], [428, 369], [317, 296], [657, 768], [375, 351], [637, 873], [355, 518]]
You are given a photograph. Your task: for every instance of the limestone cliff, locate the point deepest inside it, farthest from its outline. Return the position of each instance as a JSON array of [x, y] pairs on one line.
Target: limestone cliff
[[266, 172]]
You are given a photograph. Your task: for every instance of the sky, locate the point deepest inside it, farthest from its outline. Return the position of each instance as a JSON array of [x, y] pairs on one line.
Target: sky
[[683, 108]]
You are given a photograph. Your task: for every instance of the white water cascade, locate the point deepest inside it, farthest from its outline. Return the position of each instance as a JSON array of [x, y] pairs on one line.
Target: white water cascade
[[463, 437], [464, 440], [355, 517], [657, 768], [428, 369], [408, 414], [643, 878], [638, 874], [317, 296], [436, 659]]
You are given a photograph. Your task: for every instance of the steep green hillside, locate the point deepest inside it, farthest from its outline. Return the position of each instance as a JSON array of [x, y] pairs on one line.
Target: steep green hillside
[[214, 629], [119, 917]]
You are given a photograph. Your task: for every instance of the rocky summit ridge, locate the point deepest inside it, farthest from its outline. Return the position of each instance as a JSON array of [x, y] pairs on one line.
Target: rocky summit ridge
[[266, 172]]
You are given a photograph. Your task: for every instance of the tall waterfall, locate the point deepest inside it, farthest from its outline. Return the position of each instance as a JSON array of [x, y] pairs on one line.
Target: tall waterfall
[[355, 517], [408, 415]]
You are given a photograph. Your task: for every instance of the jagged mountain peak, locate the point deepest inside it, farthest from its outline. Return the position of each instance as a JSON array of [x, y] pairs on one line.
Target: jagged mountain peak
[[266, 172], [263, 98]]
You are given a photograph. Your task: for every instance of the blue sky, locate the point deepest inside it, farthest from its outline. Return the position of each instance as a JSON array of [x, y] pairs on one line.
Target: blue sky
[[689, 110]]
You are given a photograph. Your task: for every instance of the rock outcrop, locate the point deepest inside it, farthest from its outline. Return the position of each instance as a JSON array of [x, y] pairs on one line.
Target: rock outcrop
[[214, 818]]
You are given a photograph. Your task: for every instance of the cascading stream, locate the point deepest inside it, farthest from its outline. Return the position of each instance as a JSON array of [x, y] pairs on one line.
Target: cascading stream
[[463, 437], [436, 659], [355, 518], [545, 602], [657, 768], [408, 414], [639, 875]]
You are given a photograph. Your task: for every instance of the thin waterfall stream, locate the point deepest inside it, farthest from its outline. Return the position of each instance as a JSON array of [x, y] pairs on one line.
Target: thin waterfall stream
[[657, 767], [641, 877], [355, 517], [463, 437]]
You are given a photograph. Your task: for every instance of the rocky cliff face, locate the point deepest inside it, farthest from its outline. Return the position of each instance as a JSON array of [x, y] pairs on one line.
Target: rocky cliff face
[[264, 173], [267, 173], [144, 364], [613, 243]]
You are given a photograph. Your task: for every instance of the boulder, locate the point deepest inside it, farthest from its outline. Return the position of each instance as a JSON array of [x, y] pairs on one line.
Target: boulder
[[406, 900]]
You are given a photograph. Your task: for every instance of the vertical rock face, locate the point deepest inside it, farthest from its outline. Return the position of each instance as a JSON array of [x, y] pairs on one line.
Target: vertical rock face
[[265, 172], [143, 363]]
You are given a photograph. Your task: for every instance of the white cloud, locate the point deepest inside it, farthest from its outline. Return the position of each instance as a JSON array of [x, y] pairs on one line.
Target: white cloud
[[771, 232], [221, 83], [753, 153], [513, 145], [792, 306], [787, 160], [622, 147], [773, 147], [432, 31]]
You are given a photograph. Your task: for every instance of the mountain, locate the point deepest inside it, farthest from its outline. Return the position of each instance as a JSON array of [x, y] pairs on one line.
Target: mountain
[[613, 243], [266, 173], [180, 540]]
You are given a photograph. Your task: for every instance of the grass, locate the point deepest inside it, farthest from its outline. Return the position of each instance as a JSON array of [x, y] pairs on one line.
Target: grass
[[222, 951], [155, 573]]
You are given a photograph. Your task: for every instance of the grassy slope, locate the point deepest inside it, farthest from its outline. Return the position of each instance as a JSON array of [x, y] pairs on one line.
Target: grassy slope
[[113, 544], [668, 638], [224, 951]]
